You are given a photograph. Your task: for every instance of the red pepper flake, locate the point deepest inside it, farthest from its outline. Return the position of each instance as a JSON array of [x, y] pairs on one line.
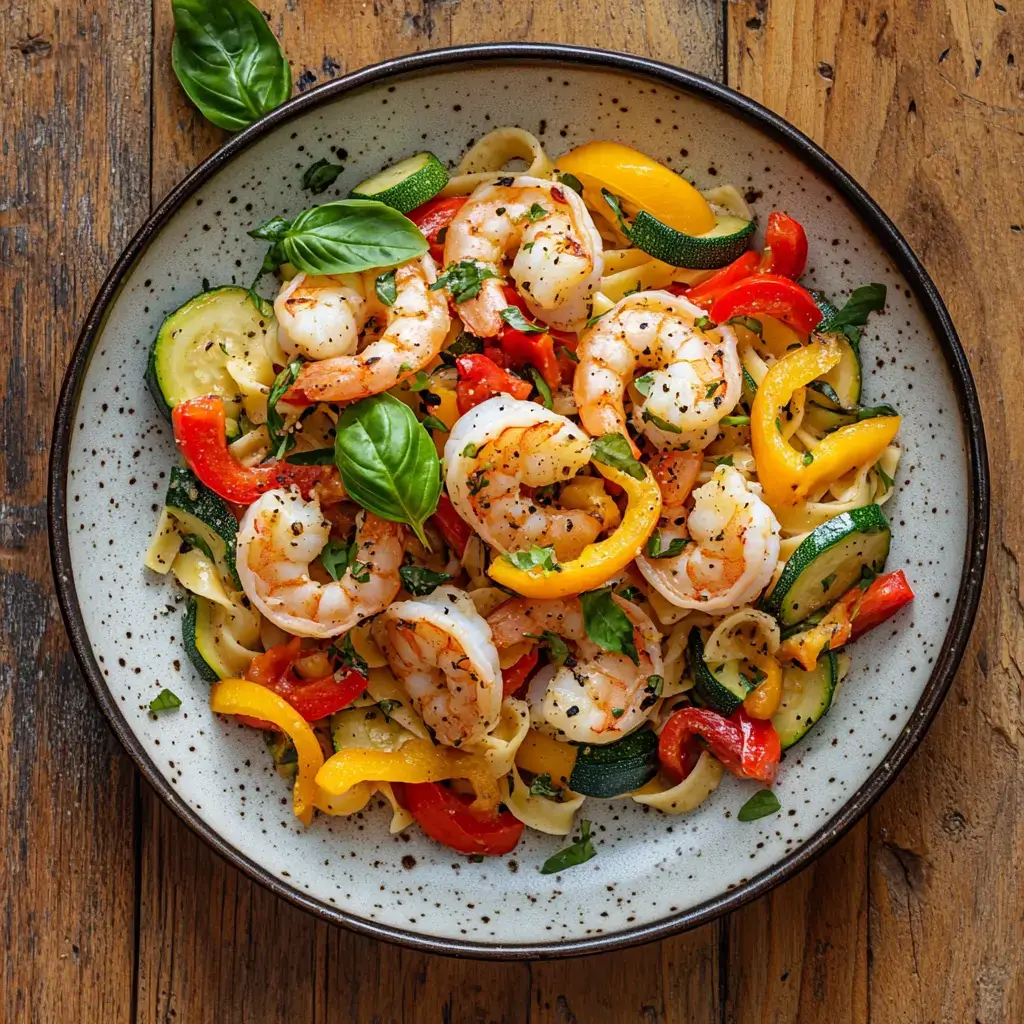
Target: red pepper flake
[[558, 195]]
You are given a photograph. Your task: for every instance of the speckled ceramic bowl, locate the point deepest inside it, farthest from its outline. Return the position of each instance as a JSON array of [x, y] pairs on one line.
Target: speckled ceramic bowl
[[653, 875]]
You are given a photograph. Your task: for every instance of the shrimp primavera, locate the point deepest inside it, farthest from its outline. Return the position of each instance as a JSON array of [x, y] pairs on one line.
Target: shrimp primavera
[[528, 487]]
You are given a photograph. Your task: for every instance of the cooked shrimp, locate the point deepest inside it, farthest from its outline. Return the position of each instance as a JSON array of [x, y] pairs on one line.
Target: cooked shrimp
[[731, 552], [558, 259], [321, 317], [696, 375], [596, 696], [440, 648], [502, 446], [281, 534], [418, 323]]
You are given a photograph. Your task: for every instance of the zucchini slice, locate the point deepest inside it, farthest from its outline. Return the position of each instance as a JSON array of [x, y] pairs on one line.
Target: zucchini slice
[[613, 769], [198, 639], [201, 512], [195, 344], [829, 561], [806, 697], [284, 754], [726, 241], [723, 687], [405, 185]]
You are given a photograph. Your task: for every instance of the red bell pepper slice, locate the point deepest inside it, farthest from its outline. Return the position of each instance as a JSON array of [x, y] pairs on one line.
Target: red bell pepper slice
[[748, 747], [521, 347], [433, 217], [455, 530], [768, 295], [481, 378], [705, 293], [513, 677], [312, 698], [444, 815], [883, 599], [199, 432], [785, 245]]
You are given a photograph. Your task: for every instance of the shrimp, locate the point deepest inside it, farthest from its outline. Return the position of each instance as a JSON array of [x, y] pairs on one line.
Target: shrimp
[[498, 448], [321, 317], [281, 534], [731, 551], [596, 696], [696, 378], [558, 261], [418, 323], [440, 648]]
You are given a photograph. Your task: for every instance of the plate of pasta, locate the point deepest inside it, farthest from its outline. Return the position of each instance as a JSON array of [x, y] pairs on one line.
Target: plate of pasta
[[545, 531]]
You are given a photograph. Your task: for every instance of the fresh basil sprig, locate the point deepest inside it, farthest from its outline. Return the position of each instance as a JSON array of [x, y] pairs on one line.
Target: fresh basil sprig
[[558, 649], [388, 462], [542, 387], [336, 556], [346, 236], [280, 443], [607, 625], [578, 853], [228, 61]]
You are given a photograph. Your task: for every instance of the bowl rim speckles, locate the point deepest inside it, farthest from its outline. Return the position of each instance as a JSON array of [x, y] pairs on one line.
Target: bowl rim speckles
[[871, 215]]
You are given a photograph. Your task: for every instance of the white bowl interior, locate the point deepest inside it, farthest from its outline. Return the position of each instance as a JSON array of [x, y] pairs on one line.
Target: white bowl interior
[[648, 866]]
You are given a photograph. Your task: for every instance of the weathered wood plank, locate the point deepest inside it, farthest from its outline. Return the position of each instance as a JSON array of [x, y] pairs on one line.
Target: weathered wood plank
[[74, 184]]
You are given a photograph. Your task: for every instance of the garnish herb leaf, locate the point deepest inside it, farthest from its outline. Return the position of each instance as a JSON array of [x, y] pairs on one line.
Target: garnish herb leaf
[[643, 384], [735, 421], [751, 323], [876, 410], [385, 288], [541, 786], [420, 382], [195, 541], [571, 180], [676, 546], [165, 700], [280, 443], [535, 213], [884, 477], [228, 61], [616, 204], [721, 460], [272, 230], [513, 316], [807, 458], [614, 450], [320, 176], [336, 557], [348, 657], [761, 804], [542, 386], [433, 423], [650, 417], [388, 462], [593, 320], [420, 581], [533, 558], [579, 853], [557, 647], [466, 344], [869, 298], [607, 625], [705, 323], [567, 353], [463, 280], [388, 707]]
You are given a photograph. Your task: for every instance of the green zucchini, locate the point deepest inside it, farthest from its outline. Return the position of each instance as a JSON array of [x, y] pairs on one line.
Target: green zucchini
[[829, 311], [282, 750], [201, 512], [726, 241], [723, 687], [191, 351], [405, 185], [806, 697], [196, 635], [830, 560], [613, 769]]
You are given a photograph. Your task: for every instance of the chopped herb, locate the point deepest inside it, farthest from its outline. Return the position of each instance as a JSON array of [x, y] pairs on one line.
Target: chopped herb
[[704, 323], [360, 571], [635, 290], [749, 322], [542, 386], [614, 450], [513, 316], [755, 679], [676, 546], [463, 280], [280, 443], [631, 594], [388, 707], [535, 213], [541, 786], [350, 659], [649, 417], [533, 558], [476, 858], [849, 320], [579, 853], [712, 388], [721, 460], [827, 582], [528, 247], [884, 477], [420, 581], [616, 204], [433, 423], [165, 701], [386, 289], [223, 348], [618, 712], [778, 424], [466, 344], [567, 353], [469, 452], [735, 421], [808, 458], [762, 803], [557, 647], [320, 176], [420, 382], [607, 625], [643, 384], [655, 684], [593, 320], [571, 180], [336, 557]]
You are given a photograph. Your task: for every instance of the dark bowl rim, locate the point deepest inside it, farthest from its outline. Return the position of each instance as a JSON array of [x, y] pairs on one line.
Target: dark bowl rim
[[870, 213]]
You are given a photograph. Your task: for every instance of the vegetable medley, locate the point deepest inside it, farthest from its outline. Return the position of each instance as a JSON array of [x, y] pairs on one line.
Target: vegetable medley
[[529, 486]]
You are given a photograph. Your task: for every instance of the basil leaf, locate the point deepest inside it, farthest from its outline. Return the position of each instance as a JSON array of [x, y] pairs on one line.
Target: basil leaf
[[535, 213], [542, 386], [433, 423], [165, 701], [705, 323], [607, 625], [884, 477], [420, 382], [616, 204], [349, 658], [463, 280], [650, 417], [541, 786], [614, 450], [320, 176], [762, 803], [385, 287], [571, 180], [579, 853], [631, 593], [822, 387], [593, 320], [869, 298], [676, 546], [388, 462], [644, 384], [420, 581], [721, 460], [751, 323], [228, 61], [734, 421], [532, 558], [807, 458], [317, 457], [272, 230], [567, 353], [466, 344], [280, 443], [557, 647], [360, 571], [513, 316], [336, 557]]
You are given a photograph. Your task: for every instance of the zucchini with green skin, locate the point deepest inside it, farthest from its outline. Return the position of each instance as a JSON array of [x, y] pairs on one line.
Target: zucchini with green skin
[[806, 697], [200, 512], [828, 562], [725, 242], [613, 769], [723, 688], [198, 639], [842, 384], [283, 752], [405, 185]]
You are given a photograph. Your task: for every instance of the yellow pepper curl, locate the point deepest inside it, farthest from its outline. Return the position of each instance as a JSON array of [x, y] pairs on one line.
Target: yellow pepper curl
[[600, 561], [764, 701], [242, 697], [544, 755], [786, 475]]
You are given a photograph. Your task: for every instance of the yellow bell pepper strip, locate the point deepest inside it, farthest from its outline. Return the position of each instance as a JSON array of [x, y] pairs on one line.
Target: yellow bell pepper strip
[[348, 802], [415, 761], [830, 634], [640, 181], [787, 475], [600, 561], [544, 755], [763, 701], [242, 697]]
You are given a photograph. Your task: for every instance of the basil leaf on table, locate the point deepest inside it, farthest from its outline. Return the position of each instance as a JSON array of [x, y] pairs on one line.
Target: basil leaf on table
[[607, 625], [228, 61], [760, 805], [579, 853], [420, 581], [280, 443], [388, 462]]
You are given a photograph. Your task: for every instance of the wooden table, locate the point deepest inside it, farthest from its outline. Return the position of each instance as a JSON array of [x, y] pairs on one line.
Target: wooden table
[[113, 911]]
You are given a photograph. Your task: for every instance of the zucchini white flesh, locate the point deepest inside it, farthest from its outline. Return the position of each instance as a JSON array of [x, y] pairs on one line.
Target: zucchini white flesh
[[201, 512], [828, 562], [194, 345], [198, 639], [806, 696], [726, 241], [405, 185], [722, 687]]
